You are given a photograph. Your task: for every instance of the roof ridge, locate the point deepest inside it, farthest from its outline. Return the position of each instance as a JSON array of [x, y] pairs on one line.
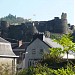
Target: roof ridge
[[3, 40]]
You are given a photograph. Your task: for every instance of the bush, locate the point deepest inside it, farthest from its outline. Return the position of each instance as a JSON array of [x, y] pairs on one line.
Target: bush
[[44, 70]]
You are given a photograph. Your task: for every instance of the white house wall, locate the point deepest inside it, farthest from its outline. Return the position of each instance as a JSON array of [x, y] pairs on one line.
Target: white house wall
[[37, 45], [11, 62], [6, 60], [7, 56]]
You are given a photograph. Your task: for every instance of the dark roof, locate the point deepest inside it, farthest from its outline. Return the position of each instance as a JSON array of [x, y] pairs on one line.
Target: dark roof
[[40, 40], [14, 45], [23, 46], [20, 50], [11, 40], [49, 42], [40, 36]]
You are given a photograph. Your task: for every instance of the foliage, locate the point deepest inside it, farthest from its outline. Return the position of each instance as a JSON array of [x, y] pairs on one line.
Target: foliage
[[63, 71], [55, 52], [44, 70], [13, 19], [55, 57], [66, 42], [51, 60], [39, 70], [55, 36]]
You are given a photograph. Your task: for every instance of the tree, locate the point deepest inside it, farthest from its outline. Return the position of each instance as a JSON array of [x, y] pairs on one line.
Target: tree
[[66, 42], [13, 19]]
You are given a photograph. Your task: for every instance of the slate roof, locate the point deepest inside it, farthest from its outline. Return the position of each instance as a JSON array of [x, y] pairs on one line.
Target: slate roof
[[47, 41], [20, 50], [3, 40], [5, 49], [51, 43], [23, 46]]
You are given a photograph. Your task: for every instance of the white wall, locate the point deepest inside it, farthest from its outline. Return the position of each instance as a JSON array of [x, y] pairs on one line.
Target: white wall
[[11, 62], [37, 45]]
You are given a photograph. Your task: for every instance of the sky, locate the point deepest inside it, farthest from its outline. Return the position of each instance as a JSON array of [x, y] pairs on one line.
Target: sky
[[40, 10]]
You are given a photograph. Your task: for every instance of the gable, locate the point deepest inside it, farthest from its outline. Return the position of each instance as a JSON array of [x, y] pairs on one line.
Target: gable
[[36, 49], [37, 42]]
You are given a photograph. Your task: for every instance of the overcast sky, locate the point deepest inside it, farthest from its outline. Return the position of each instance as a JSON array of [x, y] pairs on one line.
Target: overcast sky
[[38, 9]]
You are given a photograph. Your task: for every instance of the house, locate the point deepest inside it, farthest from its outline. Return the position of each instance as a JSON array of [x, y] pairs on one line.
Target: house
[[70, 56], [35, 50], [7, 56], [19, 48]]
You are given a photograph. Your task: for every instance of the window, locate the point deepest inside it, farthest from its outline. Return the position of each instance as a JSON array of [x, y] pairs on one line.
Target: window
[[29, 64], [33, 51], [41, 51]]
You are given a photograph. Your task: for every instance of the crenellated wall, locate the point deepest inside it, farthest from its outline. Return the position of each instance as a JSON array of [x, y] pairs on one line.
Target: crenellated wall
[[26, 30]]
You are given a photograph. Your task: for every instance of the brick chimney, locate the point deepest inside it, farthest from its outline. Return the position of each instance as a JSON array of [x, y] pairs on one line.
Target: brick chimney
[[19, 43]]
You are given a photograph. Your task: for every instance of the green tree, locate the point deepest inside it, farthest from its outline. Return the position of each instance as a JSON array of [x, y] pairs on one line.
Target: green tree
[[66, 42], [44, 70], [13, 19]]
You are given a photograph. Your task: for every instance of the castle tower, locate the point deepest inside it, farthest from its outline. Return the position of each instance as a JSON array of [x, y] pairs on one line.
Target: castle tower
[[4, 25], [4, 28], [64, 25]]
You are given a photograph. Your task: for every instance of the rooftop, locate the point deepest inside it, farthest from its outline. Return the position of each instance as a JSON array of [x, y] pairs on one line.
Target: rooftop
[[6, 49]]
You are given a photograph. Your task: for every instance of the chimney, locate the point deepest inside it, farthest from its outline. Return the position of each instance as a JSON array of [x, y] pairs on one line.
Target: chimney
[[40, 36], [19, 43]]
